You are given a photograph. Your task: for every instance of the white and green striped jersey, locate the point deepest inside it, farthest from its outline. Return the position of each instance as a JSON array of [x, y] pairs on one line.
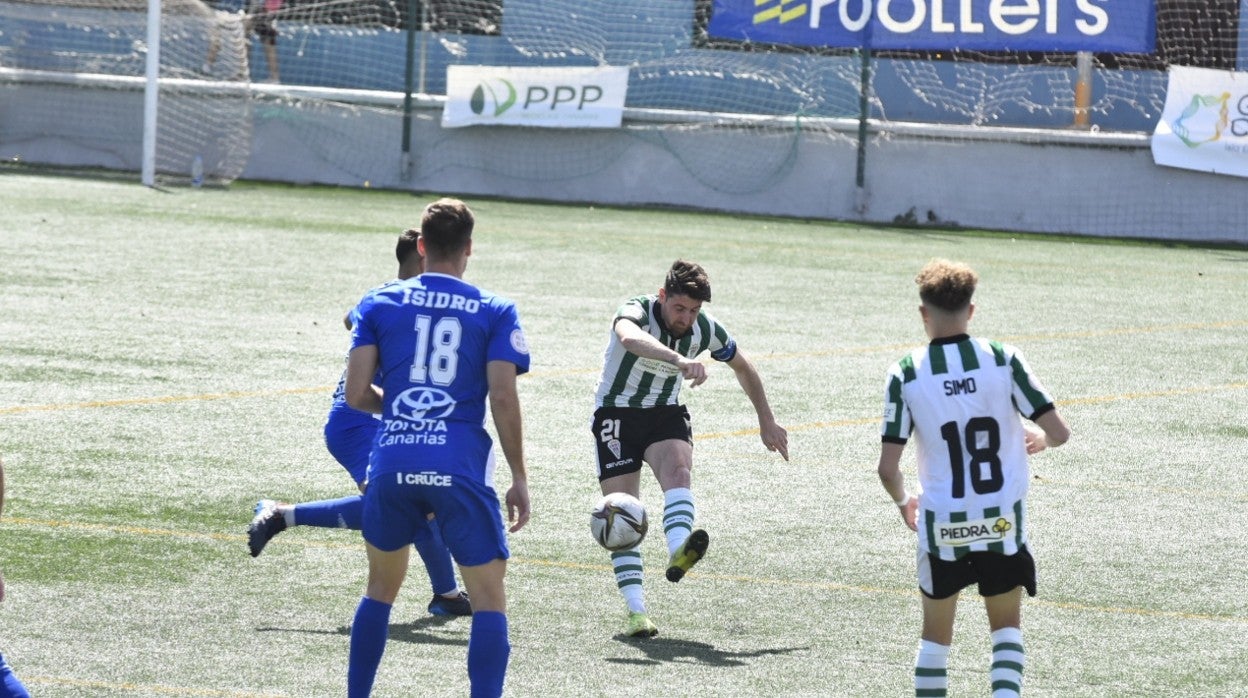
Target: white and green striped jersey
[[961, 396], [629, 380]]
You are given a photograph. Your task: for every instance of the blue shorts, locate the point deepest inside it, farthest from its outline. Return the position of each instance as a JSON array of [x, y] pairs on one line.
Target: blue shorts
[[349, 436], [469, 515]]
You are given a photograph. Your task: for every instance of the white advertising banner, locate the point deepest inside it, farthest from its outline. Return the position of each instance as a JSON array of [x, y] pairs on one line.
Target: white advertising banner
[[1205, 122], [549, 97]]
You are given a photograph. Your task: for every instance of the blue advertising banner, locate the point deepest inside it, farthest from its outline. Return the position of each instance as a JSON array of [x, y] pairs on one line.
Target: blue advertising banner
[[1101, 26]]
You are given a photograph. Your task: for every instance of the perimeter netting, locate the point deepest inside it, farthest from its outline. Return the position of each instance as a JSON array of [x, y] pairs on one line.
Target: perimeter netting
[[752, 106], [735, 114], [54, 53], [1029, 87], [677, 88]]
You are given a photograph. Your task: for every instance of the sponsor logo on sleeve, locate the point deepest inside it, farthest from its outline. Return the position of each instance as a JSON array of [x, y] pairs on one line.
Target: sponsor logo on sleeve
[[519, 342]]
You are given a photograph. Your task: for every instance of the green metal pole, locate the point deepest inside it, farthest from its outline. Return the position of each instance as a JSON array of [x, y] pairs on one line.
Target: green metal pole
[[864, 112], [406, 171]]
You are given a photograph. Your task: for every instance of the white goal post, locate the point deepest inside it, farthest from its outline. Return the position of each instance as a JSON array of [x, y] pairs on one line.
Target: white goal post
[[151, 97], [154, 87]]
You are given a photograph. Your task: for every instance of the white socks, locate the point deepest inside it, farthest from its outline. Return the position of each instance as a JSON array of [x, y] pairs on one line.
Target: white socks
[[627, 564], [931, 678], [677, 517], [1007, 663]]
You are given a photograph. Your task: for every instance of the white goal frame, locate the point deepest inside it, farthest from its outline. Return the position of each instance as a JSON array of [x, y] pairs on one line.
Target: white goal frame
[[151, 94]]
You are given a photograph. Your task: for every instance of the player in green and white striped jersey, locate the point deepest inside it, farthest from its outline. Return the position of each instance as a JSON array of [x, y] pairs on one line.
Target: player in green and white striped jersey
[[961, 397], [653, 346]]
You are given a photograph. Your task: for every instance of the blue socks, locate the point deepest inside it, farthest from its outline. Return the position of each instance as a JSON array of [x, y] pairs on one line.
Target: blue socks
[[369, 631], [488, 651], [347, 512], [437, 559]]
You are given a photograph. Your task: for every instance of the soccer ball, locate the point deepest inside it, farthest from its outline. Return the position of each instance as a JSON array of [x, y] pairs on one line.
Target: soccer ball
[[618, 521]]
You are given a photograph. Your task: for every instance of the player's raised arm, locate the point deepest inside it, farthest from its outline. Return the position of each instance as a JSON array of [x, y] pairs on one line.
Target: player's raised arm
[[774, 436]]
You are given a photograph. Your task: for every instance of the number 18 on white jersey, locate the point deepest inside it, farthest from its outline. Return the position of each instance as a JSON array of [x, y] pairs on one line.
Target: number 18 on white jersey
[[961, 396]]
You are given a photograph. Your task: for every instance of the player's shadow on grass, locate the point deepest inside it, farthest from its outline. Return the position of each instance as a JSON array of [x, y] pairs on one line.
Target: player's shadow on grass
[[416, 632], [659, 650]]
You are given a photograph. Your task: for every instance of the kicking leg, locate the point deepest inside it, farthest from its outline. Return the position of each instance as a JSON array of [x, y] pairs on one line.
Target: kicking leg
[[672, 462]]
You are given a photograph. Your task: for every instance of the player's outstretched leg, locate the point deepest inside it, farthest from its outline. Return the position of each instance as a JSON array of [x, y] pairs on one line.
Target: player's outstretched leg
[[687, 555], [344, 512], [684, 545], [628, 578], [268, 522], [274, 517]]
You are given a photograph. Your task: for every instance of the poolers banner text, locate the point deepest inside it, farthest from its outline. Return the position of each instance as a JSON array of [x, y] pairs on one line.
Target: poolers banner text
[[1102, 26]]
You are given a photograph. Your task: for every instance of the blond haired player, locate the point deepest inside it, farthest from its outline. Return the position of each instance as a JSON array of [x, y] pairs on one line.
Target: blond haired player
[[960, 398]]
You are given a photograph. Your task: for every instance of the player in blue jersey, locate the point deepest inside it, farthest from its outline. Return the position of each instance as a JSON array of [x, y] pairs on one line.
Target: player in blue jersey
[[959, 398], [10, 685], [349, 436], [442, 346]]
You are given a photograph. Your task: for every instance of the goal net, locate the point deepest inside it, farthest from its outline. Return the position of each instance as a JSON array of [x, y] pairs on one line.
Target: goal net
[[77, 68]]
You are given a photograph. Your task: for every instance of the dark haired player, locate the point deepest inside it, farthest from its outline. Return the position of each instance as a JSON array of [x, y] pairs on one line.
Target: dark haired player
[[651, 351]]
